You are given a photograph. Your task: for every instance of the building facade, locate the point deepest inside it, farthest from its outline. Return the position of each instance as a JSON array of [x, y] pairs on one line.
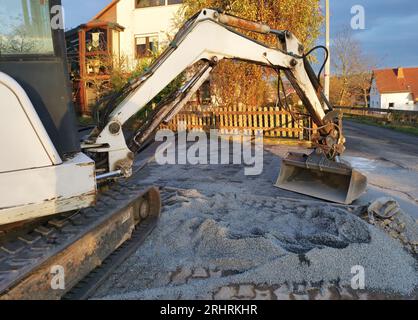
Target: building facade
[[148, 24], [125, 29], [395, 89]]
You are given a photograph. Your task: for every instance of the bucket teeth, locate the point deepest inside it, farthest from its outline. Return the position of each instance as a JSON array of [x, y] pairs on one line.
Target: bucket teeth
[[315, 175]]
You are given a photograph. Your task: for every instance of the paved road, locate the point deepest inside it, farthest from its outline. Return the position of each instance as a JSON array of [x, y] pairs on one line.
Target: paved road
[[388, 158], [382, 144]]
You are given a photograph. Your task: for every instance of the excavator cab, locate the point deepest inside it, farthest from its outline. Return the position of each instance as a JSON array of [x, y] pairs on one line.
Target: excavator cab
[[33, 53], [42, 168]]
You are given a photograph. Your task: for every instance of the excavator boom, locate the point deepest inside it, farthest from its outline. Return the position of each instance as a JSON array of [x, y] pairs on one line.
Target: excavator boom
[[211, 36]]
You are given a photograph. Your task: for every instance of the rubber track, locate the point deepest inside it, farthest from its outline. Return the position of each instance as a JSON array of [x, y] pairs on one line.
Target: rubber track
[[89, 285], [21, 256]]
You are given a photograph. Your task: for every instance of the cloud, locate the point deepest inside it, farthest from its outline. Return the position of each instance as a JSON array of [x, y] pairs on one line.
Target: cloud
[[390, 34]]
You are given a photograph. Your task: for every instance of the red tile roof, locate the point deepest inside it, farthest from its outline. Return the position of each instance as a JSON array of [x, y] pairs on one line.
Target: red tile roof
[[397, 80]]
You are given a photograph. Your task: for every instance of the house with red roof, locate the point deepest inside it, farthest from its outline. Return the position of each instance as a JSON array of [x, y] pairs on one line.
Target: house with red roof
[[395, 89]]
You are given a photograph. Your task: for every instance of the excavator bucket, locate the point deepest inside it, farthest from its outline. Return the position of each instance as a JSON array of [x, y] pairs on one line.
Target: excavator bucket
[[316, 176]]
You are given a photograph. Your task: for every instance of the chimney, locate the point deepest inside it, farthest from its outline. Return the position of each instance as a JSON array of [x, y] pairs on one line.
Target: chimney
[[401, 74]]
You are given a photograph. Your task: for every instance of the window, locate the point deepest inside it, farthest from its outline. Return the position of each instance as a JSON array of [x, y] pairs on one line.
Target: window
[[146, 46], [149, 3], [26, 28], [391, 105], [155, 3]]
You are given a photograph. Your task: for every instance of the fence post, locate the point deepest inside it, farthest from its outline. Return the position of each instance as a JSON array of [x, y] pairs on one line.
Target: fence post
[[260, 120]]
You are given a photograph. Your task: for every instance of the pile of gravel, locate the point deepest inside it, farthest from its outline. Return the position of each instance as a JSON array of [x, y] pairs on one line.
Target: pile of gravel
[[205, 242]]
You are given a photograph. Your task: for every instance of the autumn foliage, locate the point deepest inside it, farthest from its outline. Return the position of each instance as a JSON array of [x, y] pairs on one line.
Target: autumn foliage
[[240, 82]]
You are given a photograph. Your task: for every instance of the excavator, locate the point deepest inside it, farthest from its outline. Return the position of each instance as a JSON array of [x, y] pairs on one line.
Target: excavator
[[44, 168]]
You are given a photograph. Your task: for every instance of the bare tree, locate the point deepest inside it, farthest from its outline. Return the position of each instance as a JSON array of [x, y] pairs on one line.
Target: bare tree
[[362, 80], [353, 68]]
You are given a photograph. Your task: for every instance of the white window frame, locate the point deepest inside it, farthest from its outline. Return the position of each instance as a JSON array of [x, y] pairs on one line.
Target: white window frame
[[147, 35], [164, 5]]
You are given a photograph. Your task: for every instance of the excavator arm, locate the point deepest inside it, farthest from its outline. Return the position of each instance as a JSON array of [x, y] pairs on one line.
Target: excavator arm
[[211, 36], [208, 36]]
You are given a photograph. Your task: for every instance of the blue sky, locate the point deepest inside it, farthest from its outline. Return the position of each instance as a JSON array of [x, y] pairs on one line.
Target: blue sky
[[391, 34]]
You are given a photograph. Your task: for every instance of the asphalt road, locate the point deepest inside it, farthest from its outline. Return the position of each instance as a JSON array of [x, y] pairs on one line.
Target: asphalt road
[[389, 159], [382, 144]]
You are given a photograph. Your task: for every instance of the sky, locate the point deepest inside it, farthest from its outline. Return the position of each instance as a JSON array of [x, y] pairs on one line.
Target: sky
[[390, 36]]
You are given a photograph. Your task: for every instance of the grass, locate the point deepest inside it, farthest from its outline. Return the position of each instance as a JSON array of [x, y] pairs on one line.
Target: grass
[[377, 122]]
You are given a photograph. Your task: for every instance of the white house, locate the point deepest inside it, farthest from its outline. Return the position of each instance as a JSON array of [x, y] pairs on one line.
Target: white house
[[395, 89], [148, 24]]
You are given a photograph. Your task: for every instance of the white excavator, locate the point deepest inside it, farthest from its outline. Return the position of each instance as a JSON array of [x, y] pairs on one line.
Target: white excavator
[[45, 170]]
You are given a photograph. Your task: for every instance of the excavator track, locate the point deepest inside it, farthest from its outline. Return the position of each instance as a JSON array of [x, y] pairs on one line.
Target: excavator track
[[89, 285], [76, 242], [86, 288]]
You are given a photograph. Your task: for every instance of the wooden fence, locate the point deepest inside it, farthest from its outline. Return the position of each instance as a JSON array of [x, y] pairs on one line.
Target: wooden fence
[[272, 121]]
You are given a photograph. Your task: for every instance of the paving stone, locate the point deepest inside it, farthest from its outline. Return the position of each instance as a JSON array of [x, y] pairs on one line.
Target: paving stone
[[300, 296], [363, 296], [299, 289], [329, 294], [282, 293], [225, 293], [246, 291], [181, 276], [263, 295], [313, 293], [162, 280], [346, 294], [200, 273], [215, 273]]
